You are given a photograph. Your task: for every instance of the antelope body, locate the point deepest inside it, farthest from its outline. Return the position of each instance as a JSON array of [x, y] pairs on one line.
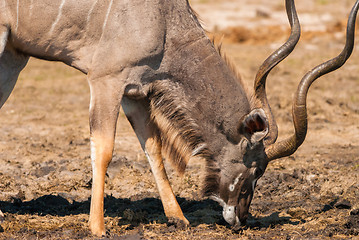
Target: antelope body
[[182, 99]]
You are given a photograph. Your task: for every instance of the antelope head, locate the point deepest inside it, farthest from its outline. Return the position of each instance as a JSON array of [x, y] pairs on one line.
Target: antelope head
[[245, 162]]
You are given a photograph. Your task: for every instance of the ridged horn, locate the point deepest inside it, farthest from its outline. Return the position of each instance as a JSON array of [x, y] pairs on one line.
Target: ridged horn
[[276, 57], [299, 109]]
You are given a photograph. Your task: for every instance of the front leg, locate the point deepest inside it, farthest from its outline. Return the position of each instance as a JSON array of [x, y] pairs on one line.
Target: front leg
[[104, 110], [170, 205], [137, 112]]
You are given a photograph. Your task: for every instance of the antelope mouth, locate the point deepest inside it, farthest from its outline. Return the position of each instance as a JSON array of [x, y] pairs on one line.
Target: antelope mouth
[[238, 225], [229, 213]]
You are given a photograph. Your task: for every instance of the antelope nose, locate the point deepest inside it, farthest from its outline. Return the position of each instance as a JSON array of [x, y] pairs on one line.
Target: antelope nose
[[229, 214]]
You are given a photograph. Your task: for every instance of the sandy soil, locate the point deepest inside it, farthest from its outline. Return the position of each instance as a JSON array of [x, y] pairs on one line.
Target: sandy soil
[[45, 169]]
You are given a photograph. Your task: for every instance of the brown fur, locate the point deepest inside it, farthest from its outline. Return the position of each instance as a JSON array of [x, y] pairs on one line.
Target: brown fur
[[253, 100], [180, 135], [178, 132]]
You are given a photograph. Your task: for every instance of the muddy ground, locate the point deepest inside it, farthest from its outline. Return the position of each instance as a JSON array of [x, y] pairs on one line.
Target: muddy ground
[[45, 168]]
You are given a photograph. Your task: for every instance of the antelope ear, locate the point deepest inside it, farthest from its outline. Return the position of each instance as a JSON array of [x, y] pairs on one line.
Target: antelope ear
[[254, 126]]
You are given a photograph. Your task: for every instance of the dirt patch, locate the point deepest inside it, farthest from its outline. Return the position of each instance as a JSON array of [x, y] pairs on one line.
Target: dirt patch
[[45, 168]]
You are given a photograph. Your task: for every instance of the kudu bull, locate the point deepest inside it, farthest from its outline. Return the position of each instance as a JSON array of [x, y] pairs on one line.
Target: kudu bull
[[183, 101]]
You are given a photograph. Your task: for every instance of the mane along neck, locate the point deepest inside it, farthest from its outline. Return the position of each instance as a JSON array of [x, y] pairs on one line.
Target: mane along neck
[[180, 135]]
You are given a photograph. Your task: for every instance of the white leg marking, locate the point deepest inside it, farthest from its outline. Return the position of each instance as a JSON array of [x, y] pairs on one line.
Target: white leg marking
[[91, 104], [107, 15], [93, 158], [149, 159], [58, 16]]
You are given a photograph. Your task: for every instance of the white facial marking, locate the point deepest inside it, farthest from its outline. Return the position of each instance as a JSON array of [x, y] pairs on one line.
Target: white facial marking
[[218, 199], [59, 14], [237, 179], [229, 214], [107, 14], [233, 186]]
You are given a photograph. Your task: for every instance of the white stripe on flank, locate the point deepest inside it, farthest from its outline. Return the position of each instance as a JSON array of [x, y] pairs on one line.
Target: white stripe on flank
[[58, 16], [31, 6], [107, 14], [91, 10], [17, 14]]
